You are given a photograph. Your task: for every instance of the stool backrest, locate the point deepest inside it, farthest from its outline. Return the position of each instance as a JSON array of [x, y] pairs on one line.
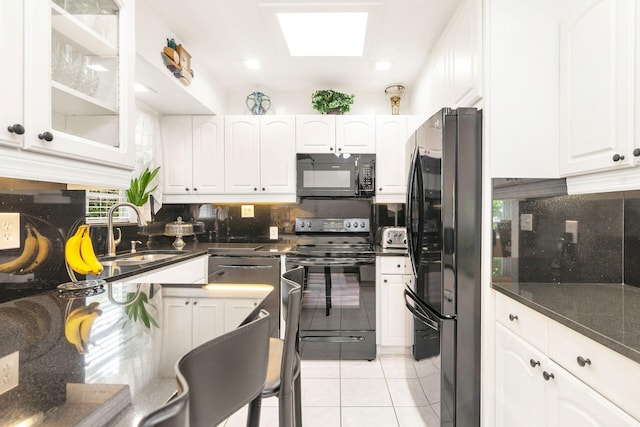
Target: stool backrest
[[226, 373], [291, 291], [173, 413]]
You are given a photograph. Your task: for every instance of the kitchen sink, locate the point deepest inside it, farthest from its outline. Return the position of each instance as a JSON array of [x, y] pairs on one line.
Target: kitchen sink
[[141, 257]]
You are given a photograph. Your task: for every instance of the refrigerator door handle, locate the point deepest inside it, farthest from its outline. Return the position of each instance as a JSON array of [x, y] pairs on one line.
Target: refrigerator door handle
[[421, 312]]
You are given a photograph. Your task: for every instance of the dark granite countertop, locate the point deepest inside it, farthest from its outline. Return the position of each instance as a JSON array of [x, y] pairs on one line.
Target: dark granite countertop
[[607, 313], [118, 375]]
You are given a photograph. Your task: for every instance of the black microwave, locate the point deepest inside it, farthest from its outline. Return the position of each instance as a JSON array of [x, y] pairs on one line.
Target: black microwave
[[336, 175]]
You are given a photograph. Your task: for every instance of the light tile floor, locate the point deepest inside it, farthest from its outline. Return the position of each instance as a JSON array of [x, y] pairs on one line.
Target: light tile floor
[[391, 391]]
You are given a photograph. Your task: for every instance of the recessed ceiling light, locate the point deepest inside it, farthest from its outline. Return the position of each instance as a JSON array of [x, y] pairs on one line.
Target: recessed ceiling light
[[324, 33], [382, 65], [252, 64], [142, 88]]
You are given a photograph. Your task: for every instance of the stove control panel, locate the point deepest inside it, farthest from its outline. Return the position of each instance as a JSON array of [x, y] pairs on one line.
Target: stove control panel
[[332, 225]]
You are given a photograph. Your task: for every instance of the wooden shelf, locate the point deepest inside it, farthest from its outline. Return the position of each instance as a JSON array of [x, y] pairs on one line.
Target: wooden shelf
[[68, 101], [82, 34]]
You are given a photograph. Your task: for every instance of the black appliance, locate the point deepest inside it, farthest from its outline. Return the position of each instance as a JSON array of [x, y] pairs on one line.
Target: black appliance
[[443, 230], [336, 175], [338, 301], [238, 269]]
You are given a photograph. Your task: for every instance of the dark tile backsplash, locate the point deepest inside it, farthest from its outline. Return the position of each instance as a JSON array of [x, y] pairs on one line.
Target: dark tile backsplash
[[534, 234], [52, 213]]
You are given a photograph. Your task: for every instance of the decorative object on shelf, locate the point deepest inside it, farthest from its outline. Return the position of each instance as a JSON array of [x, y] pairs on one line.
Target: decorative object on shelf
[[394, 93], [178, 61], [178, 229], [331, 102], [256, 103]]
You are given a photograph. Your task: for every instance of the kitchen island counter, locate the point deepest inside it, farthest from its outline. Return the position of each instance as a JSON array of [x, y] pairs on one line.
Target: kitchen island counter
[[605, 312], [117, 377]]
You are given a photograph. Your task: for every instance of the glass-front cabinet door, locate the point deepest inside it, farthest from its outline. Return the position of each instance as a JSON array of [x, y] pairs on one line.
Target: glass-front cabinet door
[[78, 79]]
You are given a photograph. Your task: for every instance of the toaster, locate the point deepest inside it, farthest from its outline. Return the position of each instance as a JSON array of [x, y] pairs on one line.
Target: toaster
[[392, 237]]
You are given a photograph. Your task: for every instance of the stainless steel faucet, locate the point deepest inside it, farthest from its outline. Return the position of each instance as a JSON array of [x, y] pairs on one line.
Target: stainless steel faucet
[[111, 244]]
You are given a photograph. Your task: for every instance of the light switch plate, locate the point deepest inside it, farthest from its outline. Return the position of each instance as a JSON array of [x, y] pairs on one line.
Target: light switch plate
[[571, 227], [9, 373], [526, 222], [9, 230]]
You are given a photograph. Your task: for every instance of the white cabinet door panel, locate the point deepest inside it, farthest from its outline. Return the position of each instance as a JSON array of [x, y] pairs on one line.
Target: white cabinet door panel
[[278, 154], [208, 155], [242, 154], [520, 388], [596, 82]]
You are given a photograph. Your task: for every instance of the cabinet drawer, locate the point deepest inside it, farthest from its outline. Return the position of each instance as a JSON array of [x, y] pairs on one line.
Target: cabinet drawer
[[614, 376], [395, 265], [525, 322]]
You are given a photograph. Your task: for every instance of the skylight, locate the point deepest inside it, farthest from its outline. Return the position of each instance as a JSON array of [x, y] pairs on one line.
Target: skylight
[[324, 33]]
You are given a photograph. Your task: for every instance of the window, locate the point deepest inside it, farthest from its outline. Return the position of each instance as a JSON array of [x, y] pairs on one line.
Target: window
[[98, 204]]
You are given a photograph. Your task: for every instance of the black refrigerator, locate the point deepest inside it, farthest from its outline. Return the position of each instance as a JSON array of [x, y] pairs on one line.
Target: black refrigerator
[[444, 237]]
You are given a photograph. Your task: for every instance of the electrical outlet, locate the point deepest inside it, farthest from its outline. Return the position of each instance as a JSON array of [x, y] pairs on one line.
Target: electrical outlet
[[9, 373], [273, 233], [9, 230], [246, 211]]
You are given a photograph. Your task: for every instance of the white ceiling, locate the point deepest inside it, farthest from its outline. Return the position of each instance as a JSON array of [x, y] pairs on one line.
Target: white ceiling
[[221, 33]]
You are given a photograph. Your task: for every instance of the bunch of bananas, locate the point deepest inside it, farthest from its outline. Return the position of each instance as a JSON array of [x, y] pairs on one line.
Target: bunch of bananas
[[78, 252], [35, 252], [77, 325]]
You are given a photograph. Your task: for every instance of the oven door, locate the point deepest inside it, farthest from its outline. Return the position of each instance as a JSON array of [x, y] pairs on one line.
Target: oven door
[[338, 308], [327, 175]]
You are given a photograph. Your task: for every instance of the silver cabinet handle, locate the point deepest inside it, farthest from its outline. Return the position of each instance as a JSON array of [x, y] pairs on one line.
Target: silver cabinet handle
[[583, 362], [513, 317]]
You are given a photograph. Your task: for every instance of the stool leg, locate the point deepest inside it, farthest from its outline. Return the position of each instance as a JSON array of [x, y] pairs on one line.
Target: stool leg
[[253, 417], [297, 387]]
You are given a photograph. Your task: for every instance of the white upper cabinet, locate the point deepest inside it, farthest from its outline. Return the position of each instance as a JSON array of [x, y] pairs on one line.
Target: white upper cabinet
[[455, 72], [79, 67], [355, 134], [260, 156], [193, 156], [242, 154], [11, 84], [597, 75], [465, 44], [391, 174], [278, 154], [317, 133]]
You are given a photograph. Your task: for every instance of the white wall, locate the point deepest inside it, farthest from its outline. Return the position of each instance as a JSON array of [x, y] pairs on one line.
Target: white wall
[[151, 35]]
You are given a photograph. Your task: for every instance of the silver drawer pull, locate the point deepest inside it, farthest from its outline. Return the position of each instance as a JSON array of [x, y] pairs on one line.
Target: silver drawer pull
[[252, 266], [547, 376], [513, 317], [322, 338]]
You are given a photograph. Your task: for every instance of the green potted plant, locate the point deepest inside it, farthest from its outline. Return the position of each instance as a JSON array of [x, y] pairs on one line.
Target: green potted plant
[[137, 192], [331, 102]]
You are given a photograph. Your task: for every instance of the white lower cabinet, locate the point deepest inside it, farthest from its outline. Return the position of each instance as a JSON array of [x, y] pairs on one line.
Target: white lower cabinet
[[192, 316], [534, 388], [394, 327], [186, 323], [573, 403], [520, 388], [236, 310]]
